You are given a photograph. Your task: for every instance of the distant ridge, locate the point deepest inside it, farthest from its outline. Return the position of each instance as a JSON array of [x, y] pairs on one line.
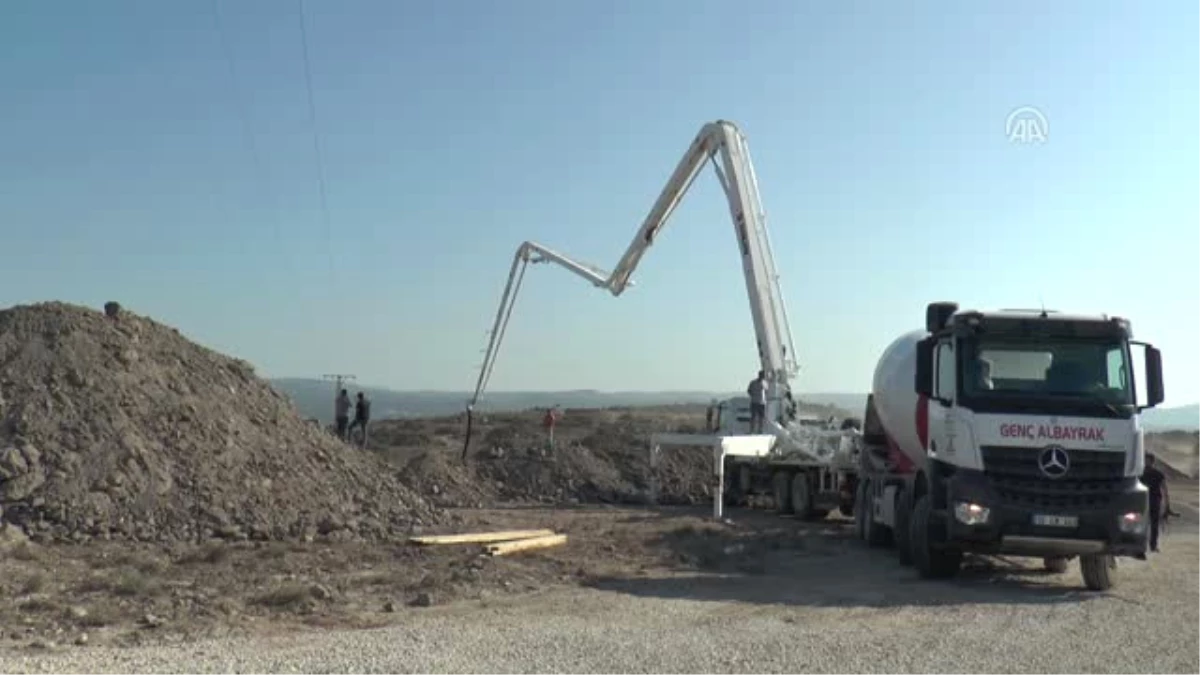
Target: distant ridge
[[314, 398]]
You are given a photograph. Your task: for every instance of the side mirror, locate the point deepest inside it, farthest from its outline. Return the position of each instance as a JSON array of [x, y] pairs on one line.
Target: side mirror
[[937, 314], [923, 384], [1154, 377]]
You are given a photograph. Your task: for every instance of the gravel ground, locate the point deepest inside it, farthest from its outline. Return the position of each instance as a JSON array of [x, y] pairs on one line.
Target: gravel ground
[[859, 613]]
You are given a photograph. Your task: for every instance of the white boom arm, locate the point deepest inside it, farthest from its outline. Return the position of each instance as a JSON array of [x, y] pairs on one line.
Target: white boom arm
[[717, 140]]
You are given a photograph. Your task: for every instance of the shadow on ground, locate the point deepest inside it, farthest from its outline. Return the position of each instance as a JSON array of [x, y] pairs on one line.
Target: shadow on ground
[[822, 564]]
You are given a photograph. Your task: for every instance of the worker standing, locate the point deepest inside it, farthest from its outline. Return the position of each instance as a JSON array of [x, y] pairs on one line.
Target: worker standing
[[548, 421], [758, 402], [362, 417], [1156, 483], [341, 413]]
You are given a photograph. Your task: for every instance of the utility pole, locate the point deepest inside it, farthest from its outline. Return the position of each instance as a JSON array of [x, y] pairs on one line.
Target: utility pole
[[339, 379]]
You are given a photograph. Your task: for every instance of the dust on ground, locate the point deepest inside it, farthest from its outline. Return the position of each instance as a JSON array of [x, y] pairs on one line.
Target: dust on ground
[[69, 596]]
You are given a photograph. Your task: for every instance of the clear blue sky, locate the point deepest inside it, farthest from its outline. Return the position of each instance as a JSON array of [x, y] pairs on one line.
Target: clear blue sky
[[137, 165]]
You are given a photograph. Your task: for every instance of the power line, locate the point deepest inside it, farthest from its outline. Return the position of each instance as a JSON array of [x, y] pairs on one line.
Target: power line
[[244, 117], [312, 116]]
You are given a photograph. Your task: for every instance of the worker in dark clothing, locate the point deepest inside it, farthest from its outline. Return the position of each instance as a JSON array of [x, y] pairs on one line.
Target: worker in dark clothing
[[341, 413], [1156, 483], [758, 402], [362, 417]]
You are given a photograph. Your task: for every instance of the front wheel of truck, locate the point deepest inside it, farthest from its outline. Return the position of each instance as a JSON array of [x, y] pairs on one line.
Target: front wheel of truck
[[931, 562], [1099, 571]]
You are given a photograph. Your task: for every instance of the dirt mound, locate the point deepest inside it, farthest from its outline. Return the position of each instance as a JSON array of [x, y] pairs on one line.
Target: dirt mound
[[444, 480], [598, 456], [1178, 453], [120, 427]]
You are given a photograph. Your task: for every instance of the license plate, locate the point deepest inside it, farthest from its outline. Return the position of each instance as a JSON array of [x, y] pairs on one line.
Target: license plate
[[1055, 521]]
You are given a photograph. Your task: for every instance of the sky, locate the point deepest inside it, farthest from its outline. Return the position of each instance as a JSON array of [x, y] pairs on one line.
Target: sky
[[171, 156]]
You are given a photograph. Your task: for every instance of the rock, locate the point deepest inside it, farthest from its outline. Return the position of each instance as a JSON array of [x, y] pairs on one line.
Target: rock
[[389, 606], [82, 639], [422, 600], [78, 613], [151, 621], [320, 592]]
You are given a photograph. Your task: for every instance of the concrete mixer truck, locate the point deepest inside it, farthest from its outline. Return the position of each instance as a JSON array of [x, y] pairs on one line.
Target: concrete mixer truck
[[1010, 432]]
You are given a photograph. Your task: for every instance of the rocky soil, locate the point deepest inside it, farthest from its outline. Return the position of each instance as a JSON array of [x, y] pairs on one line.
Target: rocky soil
[[599, 457], [120, 427]]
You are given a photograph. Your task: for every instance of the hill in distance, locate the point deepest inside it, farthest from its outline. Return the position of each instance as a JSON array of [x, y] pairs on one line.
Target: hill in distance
[[314, 398]]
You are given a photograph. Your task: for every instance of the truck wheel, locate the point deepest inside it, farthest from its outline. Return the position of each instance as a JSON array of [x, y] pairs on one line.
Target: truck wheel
[[737, 485], [1056, 564], [875, 534], [931, 563], [801, 496], [901, 533], [1097, 571], [781, 486], [860, 510], [731, 494]]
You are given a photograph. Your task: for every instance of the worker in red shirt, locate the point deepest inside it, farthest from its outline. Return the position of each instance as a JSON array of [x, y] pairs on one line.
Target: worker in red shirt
[[548, 421]]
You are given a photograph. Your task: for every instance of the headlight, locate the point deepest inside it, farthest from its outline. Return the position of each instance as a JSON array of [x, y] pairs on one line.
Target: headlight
[[969, 513], [1132, 523]]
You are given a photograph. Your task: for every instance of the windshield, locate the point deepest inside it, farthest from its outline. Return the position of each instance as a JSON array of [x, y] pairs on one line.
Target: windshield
[[1067, 368]]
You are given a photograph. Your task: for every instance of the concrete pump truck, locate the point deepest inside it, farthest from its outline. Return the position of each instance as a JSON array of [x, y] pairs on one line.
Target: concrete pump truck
[[807, 467]]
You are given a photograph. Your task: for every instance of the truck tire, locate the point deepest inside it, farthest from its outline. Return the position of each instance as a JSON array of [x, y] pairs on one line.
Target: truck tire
[[801, 496], [860, 510], [875, 534], [737, 485], [931, 563], [730, 494], [1097, 571], [1055, 564], [781, 487], [902, 534]]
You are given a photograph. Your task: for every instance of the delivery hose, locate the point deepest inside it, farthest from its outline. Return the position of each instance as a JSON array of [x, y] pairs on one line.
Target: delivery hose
[[467, 441]]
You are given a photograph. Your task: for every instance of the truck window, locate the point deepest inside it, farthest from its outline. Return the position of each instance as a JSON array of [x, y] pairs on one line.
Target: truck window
[[945, 371], [1050, 367], [1117, 377]]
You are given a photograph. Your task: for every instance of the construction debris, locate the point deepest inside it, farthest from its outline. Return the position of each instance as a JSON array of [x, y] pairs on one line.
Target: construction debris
[[478, 537], [530, 544]]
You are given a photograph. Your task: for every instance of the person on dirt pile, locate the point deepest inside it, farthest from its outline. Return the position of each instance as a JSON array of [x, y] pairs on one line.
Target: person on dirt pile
[[758, 402], [341, 413], [1160, 504], [362, 417]]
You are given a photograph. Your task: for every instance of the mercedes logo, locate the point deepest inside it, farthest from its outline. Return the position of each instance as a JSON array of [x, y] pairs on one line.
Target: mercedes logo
[[1054, 461]]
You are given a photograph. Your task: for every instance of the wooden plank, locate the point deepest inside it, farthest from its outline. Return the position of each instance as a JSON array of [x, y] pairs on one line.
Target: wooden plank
[[531, 544], [478, 537]]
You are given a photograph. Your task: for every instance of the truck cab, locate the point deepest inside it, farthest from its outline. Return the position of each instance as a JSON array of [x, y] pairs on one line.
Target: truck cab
[[1031, 423]]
